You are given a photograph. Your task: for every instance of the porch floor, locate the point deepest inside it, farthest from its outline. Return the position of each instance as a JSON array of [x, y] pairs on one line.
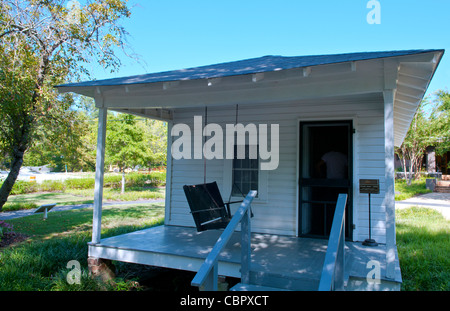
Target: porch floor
[[186, 249]]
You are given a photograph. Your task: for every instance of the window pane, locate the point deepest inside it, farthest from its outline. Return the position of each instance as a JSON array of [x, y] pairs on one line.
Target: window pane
[[254, 186], [245, 173], [254, 176], [245, 163], [245, 176], [237, 176], [245, 188]]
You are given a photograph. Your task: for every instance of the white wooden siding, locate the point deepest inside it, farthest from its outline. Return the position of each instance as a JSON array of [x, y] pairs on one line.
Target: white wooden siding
[[278, 213]]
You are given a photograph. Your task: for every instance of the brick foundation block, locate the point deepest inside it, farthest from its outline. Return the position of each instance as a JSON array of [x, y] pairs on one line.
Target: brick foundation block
[[101, 268]]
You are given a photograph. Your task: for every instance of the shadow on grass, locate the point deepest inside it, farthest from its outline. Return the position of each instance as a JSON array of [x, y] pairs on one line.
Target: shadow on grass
[[59, 198], [79, 220]]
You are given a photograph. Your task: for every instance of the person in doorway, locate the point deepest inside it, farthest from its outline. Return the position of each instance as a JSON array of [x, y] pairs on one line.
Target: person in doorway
[[336, 164]]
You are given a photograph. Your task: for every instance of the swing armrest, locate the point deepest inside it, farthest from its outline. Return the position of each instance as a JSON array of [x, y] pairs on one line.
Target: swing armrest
[[228, 206], [234, 202], [231, 202]]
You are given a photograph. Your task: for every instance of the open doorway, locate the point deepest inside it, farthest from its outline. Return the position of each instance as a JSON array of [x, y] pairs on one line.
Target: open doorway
[[326, 161]]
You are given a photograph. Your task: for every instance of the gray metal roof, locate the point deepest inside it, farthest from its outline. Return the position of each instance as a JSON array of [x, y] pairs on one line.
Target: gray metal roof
[[243, 67]]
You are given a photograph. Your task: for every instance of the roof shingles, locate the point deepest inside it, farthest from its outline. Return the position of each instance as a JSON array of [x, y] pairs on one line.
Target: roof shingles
[[243, 67]]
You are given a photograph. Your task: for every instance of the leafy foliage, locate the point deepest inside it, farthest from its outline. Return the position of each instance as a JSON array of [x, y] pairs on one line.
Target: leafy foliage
[[440, 118], [45, 43], [125, 144], [429, 127]]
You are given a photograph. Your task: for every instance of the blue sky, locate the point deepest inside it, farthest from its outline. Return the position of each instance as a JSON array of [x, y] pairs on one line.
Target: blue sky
[[176, 34]]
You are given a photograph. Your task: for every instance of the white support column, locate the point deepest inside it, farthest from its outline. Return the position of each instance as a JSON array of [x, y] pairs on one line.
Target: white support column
[[99, 172], [168, 198], [389, 200]]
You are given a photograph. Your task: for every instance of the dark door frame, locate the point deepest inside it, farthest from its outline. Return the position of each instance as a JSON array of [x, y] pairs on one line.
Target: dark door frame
[[302, 182]]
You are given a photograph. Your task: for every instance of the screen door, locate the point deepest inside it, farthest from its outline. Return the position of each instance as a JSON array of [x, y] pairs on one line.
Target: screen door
[[325, 172]]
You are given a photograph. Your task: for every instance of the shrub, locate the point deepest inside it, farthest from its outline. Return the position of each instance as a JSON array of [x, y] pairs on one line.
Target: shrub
[[23, 187], [52, 185], [9, 207], [132, 180], [112, 181], [80, 183]]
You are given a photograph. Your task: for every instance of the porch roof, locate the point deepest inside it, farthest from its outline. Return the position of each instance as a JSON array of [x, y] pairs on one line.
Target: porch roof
[[273, 79], [242, 67]]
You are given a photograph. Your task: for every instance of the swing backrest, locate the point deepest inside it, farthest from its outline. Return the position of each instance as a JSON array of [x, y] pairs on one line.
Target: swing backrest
[[207, 206]]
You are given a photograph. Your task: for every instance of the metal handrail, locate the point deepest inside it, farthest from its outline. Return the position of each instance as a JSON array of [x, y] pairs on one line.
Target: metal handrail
[[333, 267], [207, 275]]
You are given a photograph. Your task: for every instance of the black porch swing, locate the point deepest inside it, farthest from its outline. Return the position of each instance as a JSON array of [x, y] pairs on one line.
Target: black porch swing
[[205, 201]]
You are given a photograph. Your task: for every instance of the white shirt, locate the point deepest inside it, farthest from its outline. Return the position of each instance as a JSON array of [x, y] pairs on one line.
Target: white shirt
[[336, 164]]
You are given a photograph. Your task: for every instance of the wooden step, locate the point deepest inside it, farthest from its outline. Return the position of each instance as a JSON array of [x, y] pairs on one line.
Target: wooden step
[[241, 287], [442, 189], [284, 282]]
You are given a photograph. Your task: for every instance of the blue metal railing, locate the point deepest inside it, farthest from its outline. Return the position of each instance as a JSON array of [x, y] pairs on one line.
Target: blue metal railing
[[207, 276], [333, 267]]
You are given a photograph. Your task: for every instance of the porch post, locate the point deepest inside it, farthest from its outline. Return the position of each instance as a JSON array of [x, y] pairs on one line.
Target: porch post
[[99, 171], [246, 256], [168, 198], [389, 182]]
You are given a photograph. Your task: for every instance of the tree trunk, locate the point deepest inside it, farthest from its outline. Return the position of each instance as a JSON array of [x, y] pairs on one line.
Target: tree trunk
[[411, 168], [21, 142], [8, 184], [403, 158], [123, 182]]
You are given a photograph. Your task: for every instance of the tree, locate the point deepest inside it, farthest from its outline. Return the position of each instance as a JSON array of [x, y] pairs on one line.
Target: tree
[[440, 118], [45, 43], [418, 138], [125, 144], [429, 127], [64, 144], [156, 140]]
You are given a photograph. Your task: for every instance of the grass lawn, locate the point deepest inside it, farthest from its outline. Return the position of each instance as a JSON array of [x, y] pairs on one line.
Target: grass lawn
[[32, 200], [40, 262], [66, 223], [79, 196], [403, 191], [131, 194], [423, 242]]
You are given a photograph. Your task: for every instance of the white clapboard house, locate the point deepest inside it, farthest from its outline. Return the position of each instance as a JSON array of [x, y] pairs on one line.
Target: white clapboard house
[[298, 238]]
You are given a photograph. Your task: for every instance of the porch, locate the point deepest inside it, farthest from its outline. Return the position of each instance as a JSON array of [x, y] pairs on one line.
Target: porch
[[286, 262]]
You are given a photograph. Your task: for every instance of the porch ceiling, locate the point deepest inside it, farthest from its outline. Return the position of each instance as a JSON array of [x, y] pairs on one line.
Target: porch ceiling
[[412, 82]]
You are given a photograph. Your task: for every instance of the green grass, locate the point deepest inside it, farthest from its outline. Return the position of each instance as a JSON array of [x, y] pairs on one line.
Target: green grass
[[111, 180], [66, 223], [403, 191], [423, 242], [130, 194], [33, 200], [40, 263], [30, 195], [79, 196]]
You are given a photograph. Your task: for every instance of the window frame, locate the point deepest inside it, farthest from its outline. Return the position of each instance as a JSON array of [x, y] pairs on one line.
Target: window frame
[[228, 182]]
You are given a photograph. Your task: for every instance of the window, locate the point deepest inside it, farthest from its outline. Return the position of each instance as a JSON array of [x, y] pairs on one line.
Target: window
[[245, 172]]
